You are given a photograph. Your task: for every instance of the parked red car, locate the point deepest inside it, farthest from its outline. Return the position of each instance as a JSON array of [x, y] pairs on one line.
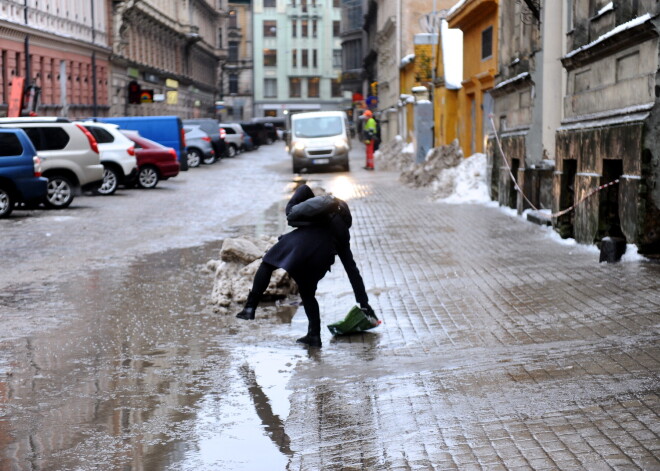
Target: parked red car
[[155, 161]]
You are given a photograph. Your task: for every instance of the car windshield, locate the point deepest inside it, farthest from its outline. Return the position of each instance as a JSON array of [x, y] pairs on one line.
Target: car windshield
[[322, 126]]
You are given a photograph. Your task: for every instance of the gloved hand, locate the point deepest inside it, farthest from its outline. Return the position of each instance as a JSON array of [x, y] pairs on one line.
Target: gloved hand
[[369, 311]]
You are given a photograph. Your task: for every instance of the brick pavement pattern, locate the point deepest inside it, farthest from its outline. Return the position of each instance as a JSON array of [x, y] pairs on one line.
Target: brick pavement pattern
[[500, 348]]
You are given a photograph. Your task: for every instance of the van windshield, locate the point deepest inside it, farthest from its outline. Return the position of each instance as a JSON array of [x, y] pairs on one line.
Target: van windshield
[[322, 126]]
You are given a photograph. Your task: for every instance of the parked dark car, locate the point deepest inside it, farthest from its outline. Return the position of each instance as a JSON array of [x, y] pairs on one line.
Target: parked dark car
[[211, 127], [20, 171], [274, 127], [257, 132], [155, 161], [248, 145], [199, 146]]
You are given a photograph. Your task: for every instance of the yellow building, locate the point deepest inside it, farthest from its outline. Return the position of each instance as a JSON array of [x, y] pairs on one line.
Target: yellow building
[[478, 21]]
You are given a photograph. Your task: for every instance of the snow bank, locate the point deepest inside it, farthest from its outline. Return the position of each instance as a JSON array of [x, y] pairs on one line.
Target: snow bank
[[438, 159], [632, 255], [465, 183], [234, 271]]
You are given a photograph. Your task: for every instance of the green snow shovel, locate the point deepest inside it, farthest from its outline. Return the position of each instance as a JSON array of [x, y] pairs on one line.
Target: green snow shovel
[[355, 321]]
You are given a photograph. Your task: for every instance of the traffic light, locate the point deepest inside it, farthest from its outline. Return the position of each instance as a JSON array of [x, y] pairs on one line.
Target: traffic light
[[134, 91], [146, 96]]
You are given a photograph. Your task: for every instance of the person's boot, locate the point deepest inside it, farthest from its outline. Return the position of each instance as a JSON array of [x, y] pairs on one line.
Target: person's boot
[[313, 337], [250, 307]]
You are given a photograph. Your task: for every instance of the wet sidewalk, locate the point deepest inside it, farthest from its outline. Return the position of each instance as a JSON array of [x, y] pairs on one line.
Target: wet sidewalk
[[500, 348]]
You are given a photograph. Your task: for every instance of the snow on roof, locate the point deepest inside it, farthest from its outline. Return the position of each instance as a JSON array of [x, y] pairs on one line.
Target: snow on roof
[[622, 27], [605, 9], [419, 89], [511, 80], [456, 6], [452, 55], [407, 60]]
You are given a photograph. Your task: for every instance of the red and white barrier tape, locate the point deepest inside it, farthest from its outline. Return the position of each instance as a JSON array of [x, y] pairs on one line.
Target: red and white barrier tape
[[515, 183]]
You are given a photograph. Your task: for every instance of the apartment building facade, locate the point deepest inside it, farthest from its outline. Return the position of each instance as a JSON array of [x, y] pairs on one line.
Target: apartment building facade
[[169, 51], [59, 52], [237, 80], [297, 56]]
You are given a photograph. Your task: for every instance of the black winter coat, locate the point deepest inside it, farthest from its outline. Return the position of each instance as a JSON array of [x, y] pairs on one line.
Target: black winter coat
[[308, 252]]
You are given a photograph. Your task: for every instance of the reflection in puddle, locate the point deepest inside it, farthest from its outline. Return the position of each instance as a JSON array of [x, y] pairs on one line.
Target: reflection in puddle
[[272, 422], [227, 425]]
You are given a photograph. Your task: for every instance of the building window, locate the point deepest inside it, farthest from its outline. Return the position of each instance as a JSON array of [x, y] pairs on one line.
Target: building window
[[233, 83], [294, 28], [294, 87], [220, 38], [270, 28], [314, 28], [270, 88], [336, 28], [270, 3], [303, 5], [233, 51], [294, 58], [305, 59], [313, 87], [233, 19], [487, 43], [335, 86], [315, 62], [336, 58], [304, 33], [270, 57], [336, 4]]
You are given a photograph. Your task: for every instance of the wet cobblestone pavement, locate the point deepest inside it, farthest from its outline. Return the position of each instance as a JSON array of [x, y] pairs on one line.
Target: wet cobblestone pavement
[[500, 349]]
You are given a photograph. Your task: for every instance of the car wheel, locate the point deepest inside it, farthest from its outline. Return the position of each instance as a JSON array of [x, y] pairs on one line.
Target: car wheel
[[231, 151], [194, 158], [6, 203], [110, 182], [296, 169], [147, 177], [209, 160], [347, 167], [60, 192]]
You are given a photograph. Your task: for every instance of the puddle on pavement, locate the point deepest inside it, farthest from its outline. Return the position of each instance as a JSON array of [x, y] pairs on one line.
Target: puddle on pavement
[[144, 375]]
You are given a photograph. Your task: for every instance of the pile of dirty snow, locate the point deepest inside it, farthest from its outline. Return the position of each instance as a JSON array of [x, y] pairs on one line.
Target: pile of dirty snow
[[239, 260], [464, 183], [394, 155], [438, 159]]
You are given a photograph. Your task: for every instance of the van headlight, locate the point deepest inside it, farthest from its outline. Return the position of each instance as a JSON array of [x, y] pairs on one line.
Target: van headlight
[[341, 144], [299, 148]]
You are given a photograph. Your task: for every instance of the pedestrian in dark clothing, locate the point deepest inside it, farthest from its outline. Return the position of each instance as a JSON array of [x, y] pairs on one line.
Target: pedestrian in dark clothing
[[307, 254]]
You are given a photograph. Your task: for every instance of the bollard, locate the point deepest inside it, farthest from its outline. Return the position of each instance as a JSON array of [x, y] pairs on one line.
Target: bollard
[[612, 249]]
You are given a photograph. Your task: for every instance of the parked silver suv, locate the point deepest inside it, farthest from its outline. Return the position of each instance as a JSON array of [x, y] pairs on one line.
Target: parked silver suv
[[234, 138], [69, 156]]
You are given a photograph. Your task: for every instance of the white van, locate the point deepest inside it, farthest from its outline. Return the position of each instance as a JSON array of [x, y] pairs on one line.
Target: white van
[[319, 138]]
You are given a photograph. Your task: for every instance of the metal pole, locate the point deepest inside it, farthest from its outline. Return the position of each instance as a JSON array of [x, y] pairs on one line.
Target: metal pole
[[94, 89], [27, 47]]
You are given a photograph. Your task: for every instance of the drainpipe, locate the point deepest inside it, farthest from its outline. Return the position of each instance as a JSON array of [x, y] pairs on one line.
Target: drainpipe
[[27, 47], [95, 106]]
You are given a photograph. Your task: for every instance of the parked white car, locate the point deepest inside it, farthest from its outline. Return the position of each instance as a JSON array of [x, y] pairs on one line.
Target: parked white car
[[117, 156], [69, 156]]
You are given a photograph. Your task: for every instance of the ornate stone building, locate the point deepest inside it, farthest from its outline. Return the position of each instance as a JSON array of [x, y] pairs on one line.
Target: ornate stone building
[[172, 51], [60, 52], [611, 124], [237, 71]]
